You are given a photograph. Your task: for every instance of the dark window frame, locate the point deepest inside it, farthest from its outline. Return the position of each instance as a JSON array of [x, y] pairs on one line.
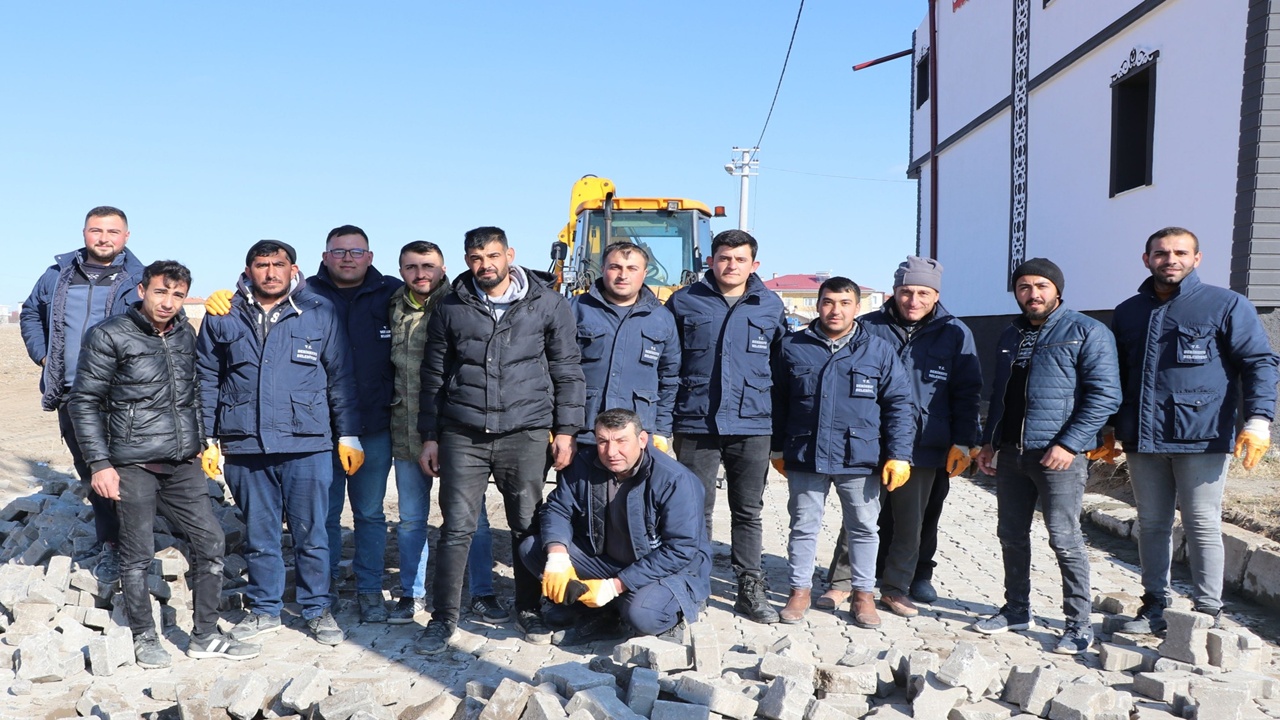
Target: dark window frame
[[1125, 92], [924, 66]]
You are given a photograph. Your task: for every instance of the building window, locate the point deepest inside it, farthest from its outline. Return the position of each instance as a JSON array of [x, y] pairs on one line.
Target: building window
[[922, 80], [1133, 114]]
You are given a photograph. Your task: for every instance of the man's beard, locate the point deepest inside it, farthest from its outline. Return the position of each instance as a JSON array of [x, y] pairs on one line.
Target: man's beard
[[1041, 314], [498, 277]]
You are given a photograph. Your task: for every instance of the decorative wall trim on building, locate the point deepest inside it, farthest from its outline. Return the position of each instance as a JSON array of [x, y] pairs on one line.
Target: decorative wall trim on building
[[1018, 139], [1136, 60], [1255, 239]]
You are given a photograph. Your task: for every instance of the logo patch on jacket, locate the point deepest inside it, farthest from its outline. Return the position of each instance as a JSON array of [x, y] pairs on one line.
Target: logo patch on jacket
[[760, 343], [306, 353], [938, 373], [864, 387], [651, 354], [384, 333]]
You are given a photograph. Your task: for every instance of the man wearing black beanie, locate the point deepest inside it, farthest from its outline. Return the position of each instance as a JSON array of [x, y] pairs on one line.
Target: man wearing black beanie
[[1057, 383]]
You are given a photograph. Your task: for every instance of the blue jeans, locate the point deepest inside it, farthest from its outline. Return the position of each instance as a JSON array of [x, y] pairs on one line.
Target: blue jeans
[[860, 502], [294, 486], [1193, 482], [414, 488], [367, 490], [1020, 481]]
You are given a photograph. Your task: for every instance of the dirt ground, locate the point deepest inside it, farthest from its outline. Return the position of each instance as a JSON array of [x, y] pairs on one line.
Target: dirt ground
[[30, 447]]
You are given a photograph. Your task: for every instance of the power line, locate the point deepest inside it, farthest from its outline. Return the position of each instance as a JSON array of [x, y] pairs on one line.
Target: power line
[[781, 75], [840, 177]]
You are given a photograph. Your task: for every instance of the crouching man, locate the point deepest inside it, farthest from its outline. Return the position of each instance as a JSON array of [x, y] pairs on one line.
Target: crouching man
[[136, 409], [627, 522]]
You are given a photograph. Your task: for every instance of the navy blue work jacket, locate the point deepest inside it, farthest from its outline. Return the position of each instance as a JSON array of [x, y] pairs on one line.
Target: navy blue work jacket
[[292, 393], [367, 320], [664, 512], [942, 363], [726, 375], [841, 413], [1073, 382], [1184, 364], [630, 361]]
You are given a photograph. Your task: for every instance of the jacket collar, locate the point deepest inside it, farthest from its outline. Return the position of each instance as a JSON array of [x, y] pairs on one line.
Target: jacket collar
[[539, 282], [1188, 284], [1022, 324], [372, 279], [854, 338], [755, 286], [647, 300]]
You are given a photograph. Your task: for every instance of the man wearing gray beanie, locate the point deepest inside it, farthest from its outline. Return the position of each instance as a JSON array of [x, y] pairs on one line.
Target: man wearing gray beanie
[[942, 361], [1057, 382]]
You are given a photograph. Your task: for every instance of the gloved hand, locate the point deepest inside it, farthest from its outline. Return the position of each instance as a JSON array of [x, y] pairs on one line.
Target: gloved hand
[[895, 474], [1253, 441], [663, 444], [779, 464], [1107, 452], [219, 302], [211, 458], [351, 454], [556, 575], [958, 458], [599, 593]]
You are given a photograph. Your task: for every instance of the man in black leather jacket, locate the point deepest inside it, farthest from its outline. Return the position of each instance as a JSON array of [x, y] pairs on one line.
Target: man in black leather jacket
[[136, 409]]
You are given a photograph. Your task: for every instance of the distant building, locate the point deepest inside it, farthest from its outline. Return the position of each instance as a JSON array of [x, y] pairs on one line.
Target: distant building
[[194, 306], [7, 316], [1073, 130], [799, 295]]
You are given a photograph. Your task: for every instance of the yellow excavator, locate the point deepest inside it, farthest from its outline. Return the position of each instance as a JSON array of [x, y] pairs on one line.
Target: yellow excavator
[[676, 232]]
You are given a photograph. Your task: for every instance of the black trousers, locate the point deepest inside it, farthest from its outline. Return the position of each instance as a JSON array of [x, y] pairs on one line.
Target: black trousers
[[183, 499], [746, 465], [105, 520], [839, 575], [518, 462]]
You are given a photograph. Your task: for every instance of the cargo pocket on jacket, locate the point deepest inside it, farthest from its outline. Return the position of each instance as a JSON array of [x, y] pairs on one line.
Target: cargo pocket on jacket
[[757, 398], [693, 397], [650, 349], [643, 402], [592, 344], [1195, 344], [1195, 415], [310, 416], [696, 332], [235, 414], [757, 337], [862, 445]]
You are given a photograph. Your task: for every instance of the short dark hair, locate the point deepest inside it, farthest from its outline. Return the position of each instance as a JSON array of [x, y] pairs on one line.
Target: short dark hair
[[481, 236], [733, 239], [266, 248], [618, 419], [345, 230], [105, 211], [1171, 231], [839, 284], [626, 248], [421, 247], [171, 270]]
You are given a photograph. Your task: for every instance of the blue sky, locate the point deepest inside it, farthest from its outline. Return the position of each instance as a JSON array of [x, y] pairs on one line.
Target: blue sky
[[215, 125]]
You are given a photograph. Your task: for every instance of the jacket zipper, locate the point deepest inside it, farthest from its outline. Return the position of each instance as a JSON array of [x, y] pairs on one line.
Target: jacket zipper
[[173, 387]]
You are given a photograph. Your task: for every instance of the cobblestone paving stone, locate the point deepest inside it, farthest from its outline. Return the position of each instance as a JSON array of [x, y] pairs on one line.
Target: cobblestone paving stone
[[968, 579]]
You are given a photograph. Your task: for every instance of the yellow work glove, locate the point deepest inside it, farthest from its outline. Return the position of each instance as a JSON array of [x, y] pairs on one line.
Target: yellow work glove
[[351, 454], [780, 465], [210, 459], [219, 303], [662, 443], [1253, 441], [556, 575], [958, 459], [895, 474], [599, 593], [1107, 452]]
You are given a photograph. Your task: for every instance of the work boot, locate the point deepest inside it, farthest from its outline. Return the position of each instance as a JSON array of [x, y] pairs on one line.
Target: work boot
[[899, 605], [863, 609], [797, 605], [752, 602], [832, 599], [1150, 619], [922, 590]]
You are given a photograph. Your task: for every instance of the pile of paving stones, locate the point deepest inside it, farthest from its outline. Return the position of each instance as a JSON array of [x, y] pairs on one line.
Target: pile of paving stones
[[58, 620]]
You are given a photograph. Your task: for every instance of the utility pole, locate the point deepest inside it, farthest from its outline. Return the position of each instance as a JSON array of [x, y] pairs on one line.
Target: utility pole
[[743, 167]]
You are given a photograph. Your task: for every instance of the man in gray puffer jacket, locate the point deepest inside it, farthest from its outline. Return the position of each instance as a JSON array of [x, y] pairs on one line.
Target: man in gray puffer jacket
[[1057, 382]]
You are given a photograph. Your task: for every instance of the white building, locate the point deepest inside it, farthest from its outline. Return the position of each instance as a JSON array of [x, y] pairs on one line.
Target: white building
[[1073, 129]]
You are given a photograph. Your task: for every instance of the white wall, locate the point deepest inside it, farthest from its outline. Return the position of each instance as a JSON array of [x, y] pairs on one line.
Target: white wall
[[973, 207], [1096, 239]]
